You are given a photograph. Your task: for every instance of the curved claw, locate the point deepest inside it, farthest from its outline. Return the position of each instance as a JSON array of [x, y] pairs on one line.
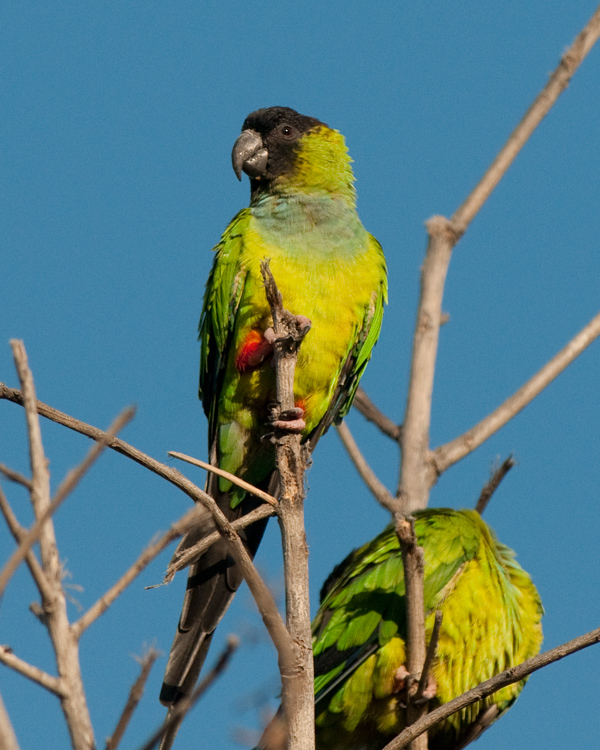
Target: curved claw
[[291, 421]]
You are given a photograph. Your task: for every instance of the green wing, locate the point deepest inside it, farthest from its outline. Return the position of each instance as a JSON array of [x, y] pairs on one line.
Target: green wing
[[491, 620], [221, 300], [359, 351]]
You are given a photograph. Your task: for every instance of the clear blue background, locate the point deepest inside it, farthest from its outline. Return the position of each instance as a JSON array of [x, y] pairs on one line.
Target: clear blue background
[[118, 121]]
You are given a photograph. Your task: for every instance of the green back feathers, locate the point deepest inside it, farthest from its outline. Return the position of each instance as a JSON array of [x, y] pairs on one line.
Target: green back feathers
[[491, 620]]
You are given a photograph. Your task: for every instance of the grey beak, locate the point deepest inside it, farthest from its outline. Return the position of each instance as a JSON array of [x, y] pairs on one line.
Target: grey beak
[[249, 156]]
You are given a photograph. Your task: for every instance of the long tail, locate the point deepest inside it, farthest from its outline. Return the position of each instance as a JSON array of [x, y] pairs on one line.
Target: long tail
[[212, 583]]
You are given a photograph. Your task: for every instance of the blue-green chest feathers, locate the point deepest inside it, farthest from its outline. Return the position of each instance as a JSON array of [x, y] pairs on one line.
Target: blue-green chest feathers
[[317, 226]]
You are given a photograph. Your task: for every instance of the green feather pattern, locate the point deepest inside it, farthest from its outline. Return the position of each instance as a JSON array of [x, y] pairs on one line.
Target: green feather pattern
[[491, 621]]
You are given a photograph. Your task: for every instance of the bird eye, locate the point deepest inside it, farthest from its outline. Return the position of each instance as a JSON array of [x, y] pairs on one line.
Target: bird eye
[[287, 130]]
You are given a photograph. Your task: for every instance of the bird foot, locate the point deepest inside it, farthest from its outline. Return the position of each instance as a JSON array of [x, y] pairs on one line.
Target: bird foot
[[290, 421], [303, 323], [407, 683]]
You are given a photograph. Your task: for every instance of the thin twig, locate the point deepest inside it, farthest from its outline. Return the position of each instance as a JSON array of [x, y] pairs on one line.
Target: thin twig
[[430, 656], [14, 476], [181, 708], [494, 483], [35, 674], [557, 83], [66, 487], [135, 696], [259, 590], [150, 553], [508, 677], [371, 412], [74, 476], [8, 738], [19, 533], [227, 475], [379, 491], [447, 455], [188, 556], [297, 682]]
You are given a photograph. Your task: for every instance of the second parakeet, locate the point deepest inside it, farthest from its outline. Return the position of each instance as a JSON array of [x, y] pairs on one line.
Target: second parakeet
[[491, 621]]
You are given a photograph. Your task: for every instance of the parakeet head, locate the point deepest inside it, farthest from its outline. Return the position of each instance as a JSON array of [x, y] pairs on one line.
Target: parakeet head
[[282, 150]]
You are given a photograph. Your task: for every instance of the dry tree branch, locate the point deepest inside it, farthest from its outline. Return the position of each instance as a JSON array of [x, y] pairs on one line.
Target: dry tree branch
[[259, 590], [97, 609], [418, 471], [14, 476], [8, 739], [430, 656], [19, 533], [557, 83], [188, 556], [508, 677], [135, 696], [66, 487], [181, 708], [446, 455], [493, 484], [35, 674], [228, 475], [298, 683], [72, 698], [371, 412], [414, 564], [379, 491]]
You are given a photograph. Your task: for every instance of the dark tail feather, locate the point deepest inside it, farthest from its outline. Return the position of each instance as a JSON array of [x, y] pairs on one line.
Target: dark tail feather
[[212, 583]]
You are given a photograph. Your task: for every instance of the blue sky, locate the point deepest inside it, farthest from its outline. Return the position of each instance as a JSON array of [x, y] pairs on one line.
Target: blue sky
[[115, 183]]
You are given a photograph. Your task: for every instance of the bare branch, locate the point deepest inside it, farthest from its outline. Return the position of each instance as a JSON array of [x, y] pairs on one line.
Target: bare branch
[[430, 656], [44, 514], [416, 475], [72, 696], [416, 472], [178, 711], [135, 696], [378, 489], [120, 446], [557, 83], [149, 554], [40, 481], [259, 590], [74, 476], [19, 533], [232, 477], [14, 476], [508, 677], [446, 455], [413, 562], [8, 739], [53, 684], [493, 484], [188, 556], [371, 412], [297, 678]]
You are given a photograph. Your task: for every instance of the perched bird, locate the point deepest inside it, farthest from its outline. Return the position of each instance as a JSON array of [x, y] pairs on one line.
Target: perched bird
[[331, 271], [491, 621]]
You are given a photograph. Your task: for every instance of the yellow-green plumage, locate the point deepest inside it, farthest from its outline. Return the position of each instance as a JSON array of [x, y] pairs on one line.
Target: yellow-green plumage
[[329, 269], [491, 621]]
